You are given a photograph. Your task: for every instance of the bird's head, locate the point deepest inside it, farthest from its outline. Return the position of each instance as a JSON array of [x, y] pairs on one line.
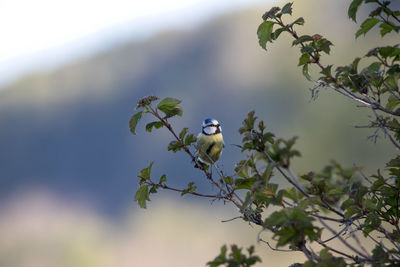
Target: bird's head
[[211, 126]]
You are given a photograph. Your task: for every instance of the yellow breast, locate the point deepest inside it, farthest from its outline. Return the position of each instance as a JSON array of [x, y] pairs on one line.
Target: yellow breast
[[210, 147]]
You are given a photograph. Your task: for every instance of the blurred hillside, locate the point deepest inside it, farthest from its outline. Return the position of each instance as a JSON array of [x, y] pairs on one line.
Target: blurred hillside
[[66, 130]]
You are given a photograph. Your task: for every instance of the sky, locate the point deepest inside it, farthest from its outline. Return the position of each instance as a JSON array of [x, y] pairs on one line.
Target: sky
[[40, 34]]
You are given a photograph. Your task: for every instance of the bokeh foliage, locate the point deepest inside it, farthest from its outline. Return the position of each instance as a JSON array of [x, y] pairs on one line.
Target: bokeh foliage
[[337, 203]]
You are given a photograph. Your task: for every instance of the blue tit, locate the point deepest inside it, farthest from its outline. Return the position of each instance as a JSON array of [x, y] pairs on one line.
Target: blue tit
[[210, 142]]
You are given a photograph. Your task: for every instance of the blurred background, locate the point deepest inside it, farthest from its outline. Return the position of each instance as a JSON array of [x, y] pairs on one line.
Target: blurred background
[[71, 74]]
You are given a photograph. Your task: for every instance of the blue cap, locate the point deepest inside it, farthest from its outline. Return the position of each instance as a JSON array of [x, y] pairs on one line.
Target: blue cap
[[210, 121]]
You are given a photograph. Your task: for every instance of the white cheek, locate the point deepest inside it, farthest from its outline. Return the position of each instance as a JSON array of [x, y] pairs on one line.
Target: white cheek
[[209, 130]]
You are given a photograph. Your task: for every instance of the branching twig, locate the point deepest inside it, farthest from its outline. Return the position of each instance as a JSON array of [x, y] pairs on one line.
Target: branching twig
[[164, 186], [344, 241], [338, 233]]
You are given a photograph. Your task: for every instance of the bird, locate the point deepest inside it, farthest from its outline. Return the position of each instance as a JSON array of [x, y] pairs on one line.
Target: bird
[[210, 142]]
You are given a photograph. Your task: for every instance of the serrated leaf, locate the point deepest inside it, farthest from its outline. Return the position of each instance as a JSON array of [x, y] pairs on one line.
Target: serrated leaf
[[327, 71], [134, 121], [287, 9], [353, 8], [304, 59], [145, 173], [168, 104], [174, 146], [173, 112], [325, 45], [271, 13], [385, 28], [244, 183], [264, 33], [366, 26], [155, 124], [307, 49], [142, 195], [190, 138], [392, 103], [170, 107]]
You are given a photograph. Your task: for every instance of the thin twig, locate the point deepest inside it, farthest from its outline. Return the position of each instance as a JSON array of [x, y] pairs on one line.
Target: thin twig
[[362, 174], [328, 218], [164, 186], [338, 233], [275, 249], [355, 237], [385, 130], [337, 251], [229, 220], [343, 241]]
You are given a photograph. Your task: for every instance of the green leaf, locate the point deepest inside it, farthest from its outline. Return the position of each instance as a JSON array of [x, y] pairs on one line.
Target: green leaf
[[170, 107], [190, 138], [304, 59], [243, 171], [327, 71], [134, 121], [373, 52], [385, 28], [366, 26], [220, 259], [142, 195], [324, 45], [174, 146], [389, 51], [173, 112], [271, 13], [375, 12], [167, 104], [278, 32], [191, 187], [228, 180], [153, 189], [145, 173], [392, 103], [287, 9], [302, 39], [264, 33], [163, 179], [353, 8], [244, 183], [248, 123], [373, 68], [183, 133], [299, 21], [305, 72], [155, 124]]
